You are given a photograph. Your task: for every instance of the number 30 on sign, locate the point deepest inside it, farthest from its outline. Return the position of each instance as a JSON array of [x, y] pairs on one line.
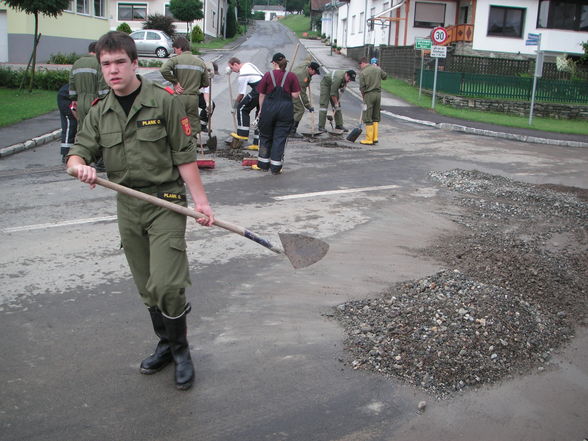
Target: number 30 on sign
[[439, 35]]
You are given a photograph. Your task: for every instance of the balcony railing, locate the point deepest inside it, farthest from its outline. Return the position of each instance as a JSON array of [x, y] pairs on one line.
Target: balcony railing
[[462, 32]]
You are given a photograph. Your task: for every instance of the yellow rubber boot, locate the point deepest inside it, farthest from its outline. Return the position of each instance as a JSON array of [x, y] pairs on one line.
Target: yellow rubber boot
[[369, 135], [376, 128]]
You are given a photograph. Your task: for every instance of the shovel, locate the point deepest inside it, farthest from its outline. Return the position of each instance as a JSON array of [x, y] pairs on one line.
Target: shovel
[[354, 134], [301, 250], [211, 142], [314, 132], [235, 143]]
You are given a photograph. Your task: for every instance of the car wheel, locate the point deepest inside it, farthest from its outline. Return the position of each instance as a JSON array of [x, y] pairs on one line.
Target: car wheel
[[161, 52]]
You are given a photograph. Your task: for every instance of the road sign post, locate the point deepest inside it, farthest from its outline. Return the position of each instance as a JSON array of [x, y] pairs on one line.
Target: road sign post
[[422, 44], [535, 40], [437, 52]]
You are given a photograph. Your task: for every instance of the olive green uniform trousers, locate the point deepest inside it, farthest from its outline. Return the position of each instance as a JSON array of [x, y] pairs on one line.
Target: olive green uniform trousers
[[371, 112]]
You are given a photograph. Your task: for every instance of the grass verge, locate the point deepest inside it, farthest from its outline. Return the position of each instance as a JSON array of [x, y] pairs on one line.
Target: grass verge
[[410, 94], [17, 106], [216, 43], [299, 24]]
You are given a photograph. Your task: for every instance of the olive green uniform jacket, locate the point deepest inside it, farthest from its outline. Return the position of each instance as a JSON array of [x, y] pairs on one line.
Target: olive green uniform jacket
[[86, 83], [143, 151], [332, 84], [370, 80], [302, 102], [191, 72]]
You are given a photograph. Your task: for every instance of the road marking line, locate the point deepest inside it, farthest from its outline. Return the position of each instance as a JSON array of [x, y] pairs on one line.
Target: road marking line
[[59, 224], [330, 192]]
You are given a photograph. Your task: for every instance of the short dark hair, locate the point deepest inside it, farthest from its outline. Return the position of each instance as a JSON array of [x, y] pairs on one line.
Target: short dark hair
[[181, 43], [115, 41], [92, 47], [234, 60], [351, 74], [363, 60]]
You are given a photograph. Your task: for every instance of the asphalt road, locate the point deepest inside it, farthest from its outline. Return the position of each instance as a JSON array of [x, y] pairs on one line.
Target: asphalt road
[[267, 355]]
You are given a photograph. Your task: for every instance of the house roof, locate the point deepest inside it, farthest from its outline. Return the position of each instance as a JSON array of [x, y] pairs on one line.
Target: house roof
[[269, 8], [318, 5]]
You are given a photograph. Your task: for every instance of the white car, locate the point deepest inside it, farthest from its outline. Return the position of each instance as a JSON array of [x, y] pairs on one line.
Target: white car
[[152, 42]]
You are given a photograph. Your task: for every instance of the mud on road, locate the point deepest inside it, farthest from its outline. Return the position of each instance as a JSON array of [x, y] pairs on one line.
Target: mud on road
[[512, 293]]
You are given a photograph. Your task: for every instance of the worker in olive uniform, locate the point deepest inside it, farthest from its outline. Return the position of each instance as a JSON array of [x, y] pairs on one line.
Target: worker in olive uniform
[[249, 75], [69, 123], [304, 73], [144, 135], [86, 83], [332, 85], [188, 74], [370, 80]]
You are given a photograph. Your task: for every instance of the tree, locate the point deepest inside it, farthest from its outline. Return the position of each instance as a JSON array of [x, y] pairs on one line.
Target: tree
[[186, 10], [231, 21], [295, 5], [52, 8], [161, 23], [197, 35]]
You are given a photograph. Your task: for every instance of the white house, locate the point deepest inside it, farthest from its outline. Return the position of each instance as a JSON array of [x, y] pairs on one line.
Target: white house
[[271, 12], [486, 25]]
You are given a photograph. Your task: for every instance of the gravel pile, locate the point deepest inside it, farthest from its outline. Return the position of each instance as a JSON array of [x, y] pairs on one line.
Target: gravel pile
[[513, 292]]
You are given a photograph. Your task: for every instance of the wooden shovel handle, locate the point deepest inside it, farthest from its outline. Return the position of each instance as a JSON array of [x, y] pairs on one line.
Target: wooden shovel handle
[[181, 210]]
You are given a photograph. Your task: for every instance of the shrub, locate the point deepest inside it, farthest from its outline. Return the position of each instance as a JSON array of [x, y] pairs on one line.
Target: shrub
[[197, 35], [60, 58], [161, 23], [44, 79], [150, 63], [258, 15], [124, 27]]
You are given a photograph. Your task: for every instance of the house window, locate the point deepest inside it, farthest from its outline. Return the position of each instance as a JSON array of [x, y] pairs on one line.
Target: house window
[[361, 21], [563, 14], [72, 6], [83, 6], [429, 15], [168, 13], [506, 22], [99, 8], [132, 11], [213, 20], [353, 25]]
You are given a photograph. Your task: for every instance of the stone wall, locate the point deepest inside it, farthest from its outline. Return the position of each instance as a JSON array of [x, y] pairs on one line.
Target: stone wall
[[518, 108]]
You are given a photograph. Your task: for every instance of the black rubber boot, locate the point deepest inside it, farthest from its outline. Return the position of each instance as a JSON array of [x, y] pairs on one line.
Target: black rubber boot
[[177, 333], [293, 133], [162, 355]]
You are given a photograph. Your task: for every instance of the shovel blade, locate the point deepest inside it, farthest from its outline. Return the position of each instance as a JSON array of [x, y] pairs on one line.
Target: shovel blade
[[354, 134], [211, 143], [303, 250]]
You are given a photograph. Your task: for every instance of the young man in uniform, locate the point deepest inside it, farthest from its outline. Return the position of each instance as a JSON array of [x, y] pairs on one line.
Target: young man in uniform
[[86, 83], [144, 135], [304, 73], [188, 74], [332, 85], [249, 75], [370, 80]]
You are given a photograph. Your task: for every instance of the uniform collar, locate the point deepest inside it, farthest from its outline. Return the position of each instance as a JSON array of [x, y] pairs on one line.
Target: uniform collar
[[145, 98]]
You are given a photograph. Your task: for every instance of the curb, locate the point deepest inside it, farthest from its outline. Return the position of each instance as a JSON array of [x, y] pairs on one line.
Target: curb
[[491, 133], [31, 143]]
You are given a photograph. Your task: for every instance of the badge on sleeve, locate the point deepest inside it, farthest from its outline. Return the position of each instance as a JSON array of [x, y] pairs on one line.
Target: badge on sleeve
[[186, 126]]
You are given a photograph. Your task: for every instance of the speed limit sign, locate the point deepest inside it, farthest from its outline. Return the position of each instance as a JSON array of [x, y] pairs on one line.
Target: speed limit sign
[[439, 35]]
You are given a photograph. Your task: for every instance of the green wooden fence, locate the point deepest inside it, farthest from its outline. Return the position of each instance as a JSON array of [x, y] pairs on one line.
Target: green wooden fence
[[504, 87]]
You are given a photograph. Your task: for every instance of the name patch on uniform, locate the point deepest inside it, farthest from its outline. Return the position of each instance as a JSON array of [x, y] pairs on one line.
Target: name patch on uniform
[[171, 196], [186, 126], [150, 123]]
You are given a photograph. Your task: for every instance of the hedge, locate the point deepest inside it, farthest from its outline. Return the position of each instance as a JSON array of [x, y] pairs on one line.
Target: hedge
[[44, 79]]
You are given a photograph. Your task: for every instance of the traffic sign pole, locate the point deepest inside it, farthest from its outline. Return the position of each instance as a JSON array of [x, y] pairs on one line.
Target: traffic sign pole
[[435, 83], [537, 60]]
